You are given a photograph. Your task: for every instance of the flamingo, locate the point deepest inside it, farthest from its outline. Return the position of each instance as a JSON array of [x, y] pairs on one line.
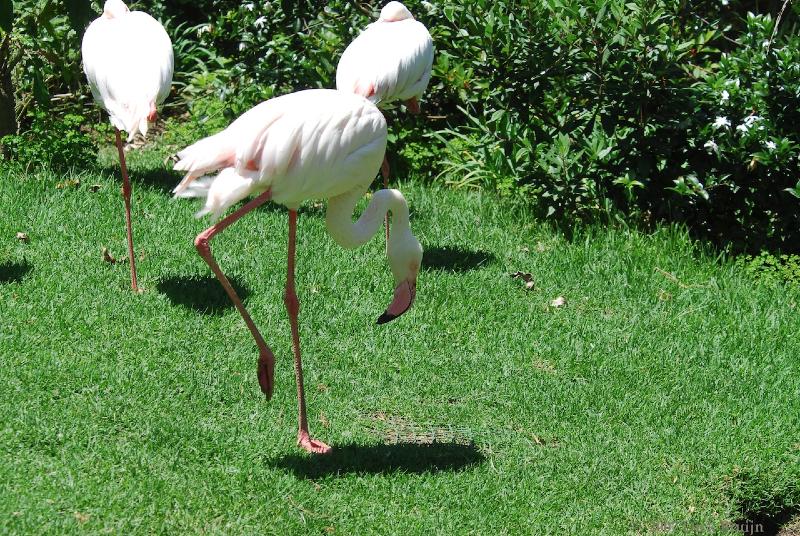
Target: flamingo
[[390, 60], [127, 58], [317, 143]]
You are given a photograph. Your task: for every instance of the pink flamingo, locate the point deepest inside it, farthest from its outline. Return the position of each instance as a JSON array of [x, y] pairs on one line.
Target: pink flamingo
[[127, 58], [390, 60], [311, 144]]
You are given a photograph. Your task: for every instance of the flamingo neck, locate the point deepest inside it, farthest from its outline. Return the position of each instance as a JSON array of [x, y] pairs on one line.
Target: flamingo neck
[[351, 235], [403, 249]]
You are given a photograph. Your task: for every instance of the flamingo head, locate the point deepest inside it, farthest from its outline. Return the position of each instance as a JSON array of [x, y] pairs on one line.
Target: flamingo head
[[405, 258], [394, 12], [114, 8]]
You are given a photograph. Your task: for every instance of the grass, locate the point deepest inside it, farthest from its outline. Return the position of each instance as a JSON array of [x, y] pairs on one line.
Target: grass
[[664, 397]]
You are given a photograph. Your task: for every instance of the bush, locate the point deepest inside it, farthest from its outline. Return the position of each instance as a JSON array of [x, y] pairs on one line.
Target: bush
[[746, 188], [53, 142], [580, 108], [771, 268]]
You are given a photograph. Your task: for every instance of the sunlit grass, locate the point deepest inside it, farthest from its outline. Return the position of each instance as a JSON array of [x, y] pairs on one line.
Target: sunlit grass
[[663, 394]]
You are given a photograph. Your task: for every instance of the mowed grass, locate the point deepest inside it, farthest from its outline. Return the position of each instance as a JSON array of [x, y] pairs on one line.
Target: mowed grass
[[664, 397]]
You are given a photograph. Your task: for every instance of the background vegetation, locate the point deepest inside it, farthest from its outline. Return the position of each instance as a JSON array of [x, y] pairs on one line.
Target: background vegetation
[[624, 382], [588, 109]]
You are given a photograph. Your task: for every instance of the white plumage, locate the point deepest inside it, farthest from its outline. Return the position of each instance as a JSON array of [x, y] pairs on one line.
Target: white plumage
[[312, 144], [390, 60], [127, 57]]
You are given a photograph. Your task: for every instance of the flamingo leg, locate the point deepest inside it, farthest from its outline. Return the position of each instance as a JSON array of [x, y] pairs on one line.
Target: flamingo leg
[[385, 173], [126, 194], [293, 309], [266, 359]]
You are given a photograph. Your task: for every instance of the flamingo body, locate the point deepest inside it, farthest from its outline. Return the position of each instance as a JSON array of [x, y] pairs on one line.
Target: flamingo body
[[317, 143], [310, 144], [390, 60], [127, 57]]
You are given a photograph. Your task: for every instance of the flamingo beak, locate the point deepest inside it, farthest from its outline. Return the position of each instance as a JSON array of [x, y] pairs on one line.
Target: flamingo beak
[[404, 295], [266, 374]]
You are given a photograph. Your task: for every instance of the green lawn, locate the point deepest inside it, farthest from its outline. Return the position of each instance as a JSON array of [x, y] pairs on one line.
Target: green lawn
[[662, 398]]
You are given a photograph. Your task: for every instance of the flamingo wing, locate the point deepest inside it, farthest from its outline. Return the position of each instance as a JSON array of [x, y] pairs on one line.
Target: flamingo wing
[[309, 144], [128, 61], [387, 61]]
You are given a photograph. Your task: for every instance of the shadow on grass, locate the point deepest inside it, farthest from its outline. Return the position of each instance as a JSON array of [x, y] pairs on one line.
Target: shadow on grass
[[455, 258], [770, 523], [157, 178], [203, 294], [14, 272], [382, 459], [161, 179]]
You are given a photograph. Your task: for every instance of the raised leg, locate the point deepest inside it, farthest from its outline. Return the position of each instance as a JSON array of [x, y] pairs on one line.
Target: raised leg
[[293, 308], [126, 194], [266, 359]]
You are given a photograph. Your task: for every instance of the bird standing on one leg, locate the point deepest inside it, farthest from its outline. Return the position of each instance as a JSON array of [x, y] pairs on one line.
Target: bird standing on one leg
[[127, 58], [311, 144], [390, 60]]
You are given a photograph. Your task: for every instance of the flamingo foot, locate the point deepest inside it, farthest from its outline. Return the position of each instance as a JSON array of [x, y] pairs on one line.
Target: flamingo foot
[[266, 373], [311, 445]]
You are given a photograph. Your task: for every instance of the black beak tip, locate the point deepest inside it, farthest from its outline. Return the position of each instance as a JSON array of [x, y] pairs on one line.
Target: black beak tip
[[385, 317]]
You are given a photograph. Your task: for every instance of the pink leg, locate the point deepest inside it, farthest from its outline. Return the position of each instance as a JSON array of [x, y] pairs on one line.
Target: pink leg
[[266, 359], [385, 173], [293, 308], [126, 194], [152, 115], [413, 105]]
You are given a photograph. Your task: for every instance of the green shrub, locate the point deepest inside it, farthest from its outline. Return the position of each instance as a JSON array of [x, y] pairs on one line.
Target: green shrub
[[772, 268], [54, 142], [580, 108], [746, 187], [44, 57]]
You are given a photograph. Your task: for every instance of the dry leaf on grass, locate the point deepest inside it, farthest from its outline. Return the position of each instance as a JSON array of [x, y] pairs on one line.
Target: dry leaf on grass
[[22, 237], [107, 256], [81, 518], [561, 301], [95, 187], [526, 277], [69, 183]]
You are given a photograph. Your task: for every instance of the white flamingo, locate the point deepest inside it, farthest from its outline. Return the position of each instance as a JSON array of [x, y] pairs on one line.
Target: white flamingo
[[127, 58], [390, 60], [311, 144]]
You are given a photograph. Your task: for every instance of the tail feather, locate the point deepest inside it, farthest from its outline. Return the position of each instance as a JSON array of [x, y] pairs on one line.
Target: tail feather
[[204, 156], [131, 119], [220, 192]]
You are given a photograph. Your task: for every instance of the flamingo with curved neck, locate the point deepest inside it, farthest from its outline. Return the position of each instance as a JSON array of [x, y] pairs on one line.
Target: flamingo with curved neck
[[311, 144]]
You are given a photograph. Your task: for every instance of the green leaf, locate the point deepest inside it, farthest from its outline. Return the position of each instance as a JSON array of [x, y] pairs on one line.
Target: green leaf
[[79, 12], [6, 15], [40, 92]]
